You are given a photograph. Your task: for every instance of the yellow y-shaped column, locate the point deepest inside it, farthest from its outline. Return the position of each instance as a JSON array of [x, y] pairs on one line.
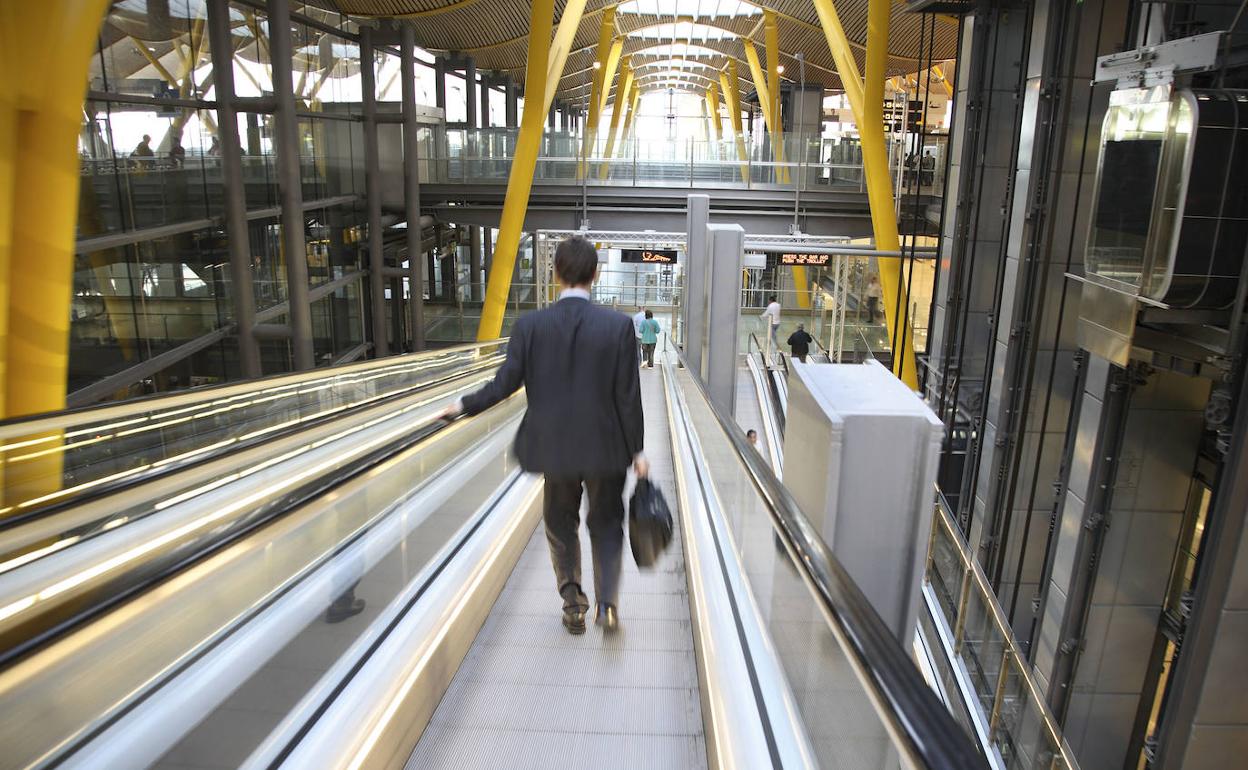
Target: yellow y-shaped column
[[772, 33], [712, 106], [868, 108], [760, 80], [520, 182], [634, 103], [608, 47], [42, 88], [728, 81], [617, 115]]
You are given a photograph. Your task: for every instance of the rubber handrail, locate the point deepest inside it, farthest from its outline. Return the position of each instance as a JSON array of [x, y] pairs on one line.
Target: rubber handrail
[[29, 424]]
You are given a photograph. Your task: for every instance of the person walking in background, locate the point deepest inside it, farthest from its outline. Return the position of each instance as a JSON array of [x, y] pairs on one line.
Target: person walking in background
[[649, 337], [583, 425], [751, 436], [772, 314], [177, 153], [638, 318], [874, 292], [799, 343], [144, 150]]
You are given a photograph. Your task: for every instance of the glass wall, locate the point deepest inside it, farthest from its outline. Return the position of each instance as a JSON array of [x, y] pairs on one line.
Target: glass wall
[[153, 269]]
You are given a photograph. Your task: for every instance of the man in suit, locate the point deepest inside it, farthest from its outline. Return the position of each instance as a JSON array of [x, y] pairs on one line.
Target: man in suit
[[583, 426]]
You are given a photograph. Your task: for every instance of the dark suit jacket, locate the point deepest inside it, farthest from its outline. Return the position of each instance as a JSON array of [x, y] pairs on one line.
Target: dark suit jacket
[[578, 364], [799, 342]]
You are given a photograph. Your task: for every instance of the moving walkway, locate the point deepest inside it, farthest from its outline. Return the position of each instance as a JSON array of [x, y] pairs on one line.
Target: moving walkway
[[190, 630]]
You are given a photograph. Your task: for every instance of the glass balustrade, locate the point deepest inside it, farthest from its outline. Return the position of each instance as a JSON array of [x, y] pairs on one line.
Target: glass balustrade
[[1019, 724]]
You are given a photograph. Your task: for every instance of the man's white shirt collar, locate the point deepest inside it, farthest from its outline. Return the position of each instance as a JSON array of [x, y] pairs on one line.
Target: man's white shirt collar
[[578, 293]]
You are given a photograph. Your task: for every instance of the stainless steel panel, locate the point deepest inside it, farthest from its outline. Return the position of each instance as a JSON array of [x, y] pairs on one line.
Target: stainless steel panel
[[1107, 322], [725, 244], [1009, 300], [1225, 700], [1215, 747], [693, 303], [1095, 639], [1237, 591], [1146, 559], [1108, 730], [1070, 530], [1128, 641]]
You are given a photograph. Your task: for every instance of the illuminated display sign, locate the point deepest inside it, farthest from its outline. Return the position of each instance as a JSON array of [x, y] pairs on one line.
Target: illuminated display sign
[[800, 258], [652, 256]]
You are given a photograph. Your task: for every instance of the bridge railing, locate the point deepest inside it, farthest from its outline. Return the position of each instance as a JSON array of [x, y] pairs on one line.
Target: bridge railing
[[807, 163]]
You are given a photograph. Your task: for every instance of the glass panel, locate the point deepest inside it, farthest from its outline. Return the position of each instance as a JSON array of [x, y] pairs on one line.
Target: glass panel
[[1019, 724], [143, 167]]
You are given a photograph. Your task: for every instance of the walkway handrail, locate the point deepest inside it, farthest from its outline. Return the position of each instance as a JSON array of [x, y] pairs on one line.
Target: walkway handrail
[[919, 723], [38, 423]]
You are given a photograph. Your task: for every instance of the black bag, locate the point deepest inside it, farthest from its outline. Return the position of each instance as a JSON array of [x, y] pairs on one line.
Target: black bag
[[649, 523]]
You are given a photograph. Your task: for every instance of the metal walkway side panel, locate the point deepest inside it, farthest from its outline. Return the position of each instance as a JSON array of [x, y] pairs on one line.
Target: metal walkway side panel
[[530, 695]]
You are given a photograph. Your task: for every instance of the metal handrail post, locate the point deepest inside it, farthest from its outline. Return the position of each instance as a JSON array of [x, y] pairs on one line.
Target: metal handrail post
[[994, 719]]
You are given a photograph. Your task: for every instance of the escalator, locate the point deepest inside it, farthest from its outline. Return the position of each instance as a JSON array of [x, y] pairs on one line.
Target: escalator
[[189, 627]]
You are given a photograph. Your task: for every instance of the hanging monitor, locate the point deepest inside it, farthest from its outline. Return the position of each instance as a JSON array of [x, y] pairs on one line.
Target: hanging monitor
[[649, 256]]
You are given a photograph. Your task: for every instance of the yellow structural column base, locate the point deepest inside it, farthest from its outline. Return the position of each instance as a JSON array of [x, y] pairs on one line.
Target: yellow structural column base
[[44, 88]]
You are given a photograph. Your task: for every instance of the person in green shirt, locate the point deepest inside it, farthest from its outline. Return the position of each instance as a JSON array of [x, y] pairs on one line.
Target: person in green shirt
[[649, 329]]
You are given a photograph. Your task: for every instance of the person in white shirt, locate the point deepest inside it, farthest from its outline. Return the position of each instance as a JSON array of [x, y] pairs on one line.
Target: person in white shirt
[[638, 318], [874, 293], [772, 314]]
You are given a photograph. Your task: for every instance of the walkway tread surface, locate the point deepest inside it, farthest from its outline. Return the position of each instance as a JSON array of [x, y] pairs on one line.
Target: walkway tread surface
[[530, 695]]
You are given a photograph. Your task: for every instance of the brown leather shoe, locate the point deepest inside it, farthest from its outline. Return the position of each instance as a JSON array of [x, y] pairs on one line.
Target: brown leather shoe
[[608, 618], [574, 621]]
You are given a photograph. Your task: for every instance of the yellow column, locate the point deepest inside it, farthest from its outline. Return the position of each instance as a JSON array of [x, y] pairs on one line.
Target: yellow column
[[880, 194], [760, 79], [9, 64], [617, 115], [613, 65], [561, 46], [50, 83], [944, 81], [634, 103], [868, 108], [520, 182], [838, 44], [606, 33], [42, 86], [712, 104], [728, 80], [772, 33]]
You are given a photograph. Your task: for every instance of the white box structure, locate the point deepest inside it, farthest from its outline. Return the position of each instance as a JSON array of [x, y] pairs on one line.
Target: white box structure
[[860, 455]]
